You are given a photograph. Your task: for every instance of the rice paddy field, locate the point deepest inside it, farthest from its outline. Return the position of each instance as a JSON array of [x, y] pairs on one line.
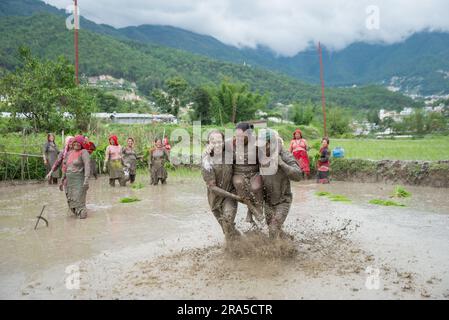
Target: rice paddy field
[[433, 148]]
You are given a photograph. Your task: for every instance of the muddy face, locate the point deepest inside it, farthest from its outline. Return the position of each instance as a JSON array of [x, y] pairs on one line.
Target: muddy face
[[217, 143]]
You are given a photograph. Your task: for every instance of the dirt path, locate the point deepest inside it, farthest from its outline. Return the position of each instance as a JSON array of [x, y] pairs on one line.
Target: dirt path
[[168, 246]]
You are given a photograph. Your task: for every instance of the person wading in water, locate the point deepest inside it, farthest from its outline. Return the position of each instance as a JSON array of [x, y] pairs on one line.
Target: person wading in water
[[77, 172], [113, 162], [218, 177], [276, 181], [156, 159], [298, 147], [90, 147], [50, 155], [246, 178], [130, 159]]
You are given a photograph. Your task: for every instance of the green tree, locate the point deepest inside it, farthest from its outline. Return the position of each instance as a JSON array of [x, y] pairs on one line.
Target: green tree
[[177, 89], [202, 105], [107, 102], [43, 91], [175, 95], [419, 118], [435, 122], [162, 100], [373, 117], [234, 102], [302, 113], [337, 121]]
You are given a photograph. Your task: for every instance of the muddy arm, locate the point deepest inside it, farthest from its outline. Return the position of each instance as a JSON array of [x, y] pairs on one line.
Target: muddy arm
[[227, 194], [289, 165], [224, 193]]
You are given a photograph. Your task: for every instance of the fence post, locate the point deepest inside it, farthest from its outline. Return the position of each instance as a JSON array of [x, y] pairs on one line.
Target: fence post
[[21, 168], [6, 166]]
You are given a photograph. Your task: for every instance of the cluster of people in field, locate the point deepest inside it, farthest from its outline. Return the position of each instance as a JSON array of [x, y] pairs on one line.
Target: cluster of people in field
[[77, 166], [256, 171], [253, 170]]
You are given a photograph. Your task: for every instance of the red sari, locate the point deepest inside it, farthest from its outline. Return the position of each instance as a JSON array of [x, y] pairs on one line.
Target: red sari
[[298, 147]]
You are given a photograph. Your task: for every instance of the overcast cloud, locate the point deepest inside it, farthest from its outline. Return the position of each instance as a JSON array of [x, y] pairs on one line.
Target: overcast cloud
[[285, 26]]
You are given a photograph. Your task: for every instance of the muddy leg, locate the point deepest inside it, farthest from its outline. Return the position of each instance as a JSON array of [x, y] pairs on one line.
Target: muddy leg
[[256, 188], [132, 178], [239, 185], [82, 212], [277, 215], [112, 182], [122, 182], [229, 208]]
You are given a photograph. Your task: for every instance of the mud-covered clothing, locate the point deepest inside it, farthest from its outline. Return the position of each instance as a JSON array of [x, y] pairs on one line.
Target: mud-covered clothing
[[277, 191], [90, 147], [51, 152], [156, 161], [223, 208], [130, 160], [323, 166], [77, 164], [246, 179], [113, 158]]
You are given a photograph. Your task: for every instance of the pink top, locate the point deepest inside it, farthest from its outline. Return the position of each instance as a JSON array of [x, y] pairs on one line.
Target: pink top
[[113, 152], [298, 145]]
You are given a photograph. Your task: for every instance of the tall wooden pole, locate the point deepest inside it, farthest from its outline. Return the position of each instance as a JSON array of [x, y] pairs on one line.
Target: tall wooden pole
[[323, 97], [76, 42]]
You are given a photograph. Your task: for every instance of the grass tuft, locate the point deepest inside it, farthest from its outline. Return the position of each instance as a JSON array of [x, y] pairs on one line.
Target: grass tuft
[[129, 200], [387, 203]]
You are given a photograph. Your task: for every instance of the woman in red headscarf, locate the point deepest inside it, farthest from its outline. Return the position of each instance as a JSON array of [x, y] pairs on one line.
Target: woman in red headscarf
[[77, 171], [298, 147], [113, 162]]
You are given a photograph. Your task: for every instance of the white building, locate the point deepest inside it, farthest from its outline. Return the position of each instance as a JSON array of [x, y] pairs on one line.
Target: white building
[[135, 118], [406, 112]]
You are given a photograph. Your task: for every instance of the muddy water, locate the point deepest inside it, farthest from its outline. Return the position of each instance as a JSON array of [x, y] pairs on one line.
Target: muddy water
[[168, 245]]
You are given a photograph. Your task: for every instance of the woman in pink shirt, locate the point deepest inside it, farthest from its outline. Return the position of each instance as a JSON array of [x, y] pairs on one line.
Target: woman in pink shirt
[[113, 162], [298, 147]]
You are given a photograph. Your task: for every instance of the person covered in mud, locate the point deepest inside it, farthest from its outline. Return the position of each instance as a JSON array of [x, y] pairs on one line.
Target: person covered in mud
[[277, 168], [298, 147], [218, 177], [50, 155], [113, 162], [130, 159], [156, 159], [59, 161], [323, 164], [246, 178], [90, 147], [77, 172]]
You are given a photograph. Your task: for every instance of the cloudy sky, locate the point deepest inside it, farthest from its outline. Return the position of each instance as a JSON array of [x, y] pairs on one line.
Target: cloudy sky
[[286, 26]]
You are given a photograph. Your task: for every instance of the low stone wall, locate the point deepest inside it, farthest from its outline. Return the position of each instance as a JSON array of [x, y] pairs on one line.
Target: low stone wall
[[420, 173]]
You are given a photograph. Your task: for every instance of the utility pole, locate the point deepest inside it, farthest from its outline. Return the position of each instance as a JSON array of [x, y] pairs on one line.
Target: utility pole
[[323, 98], [76, 42]]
